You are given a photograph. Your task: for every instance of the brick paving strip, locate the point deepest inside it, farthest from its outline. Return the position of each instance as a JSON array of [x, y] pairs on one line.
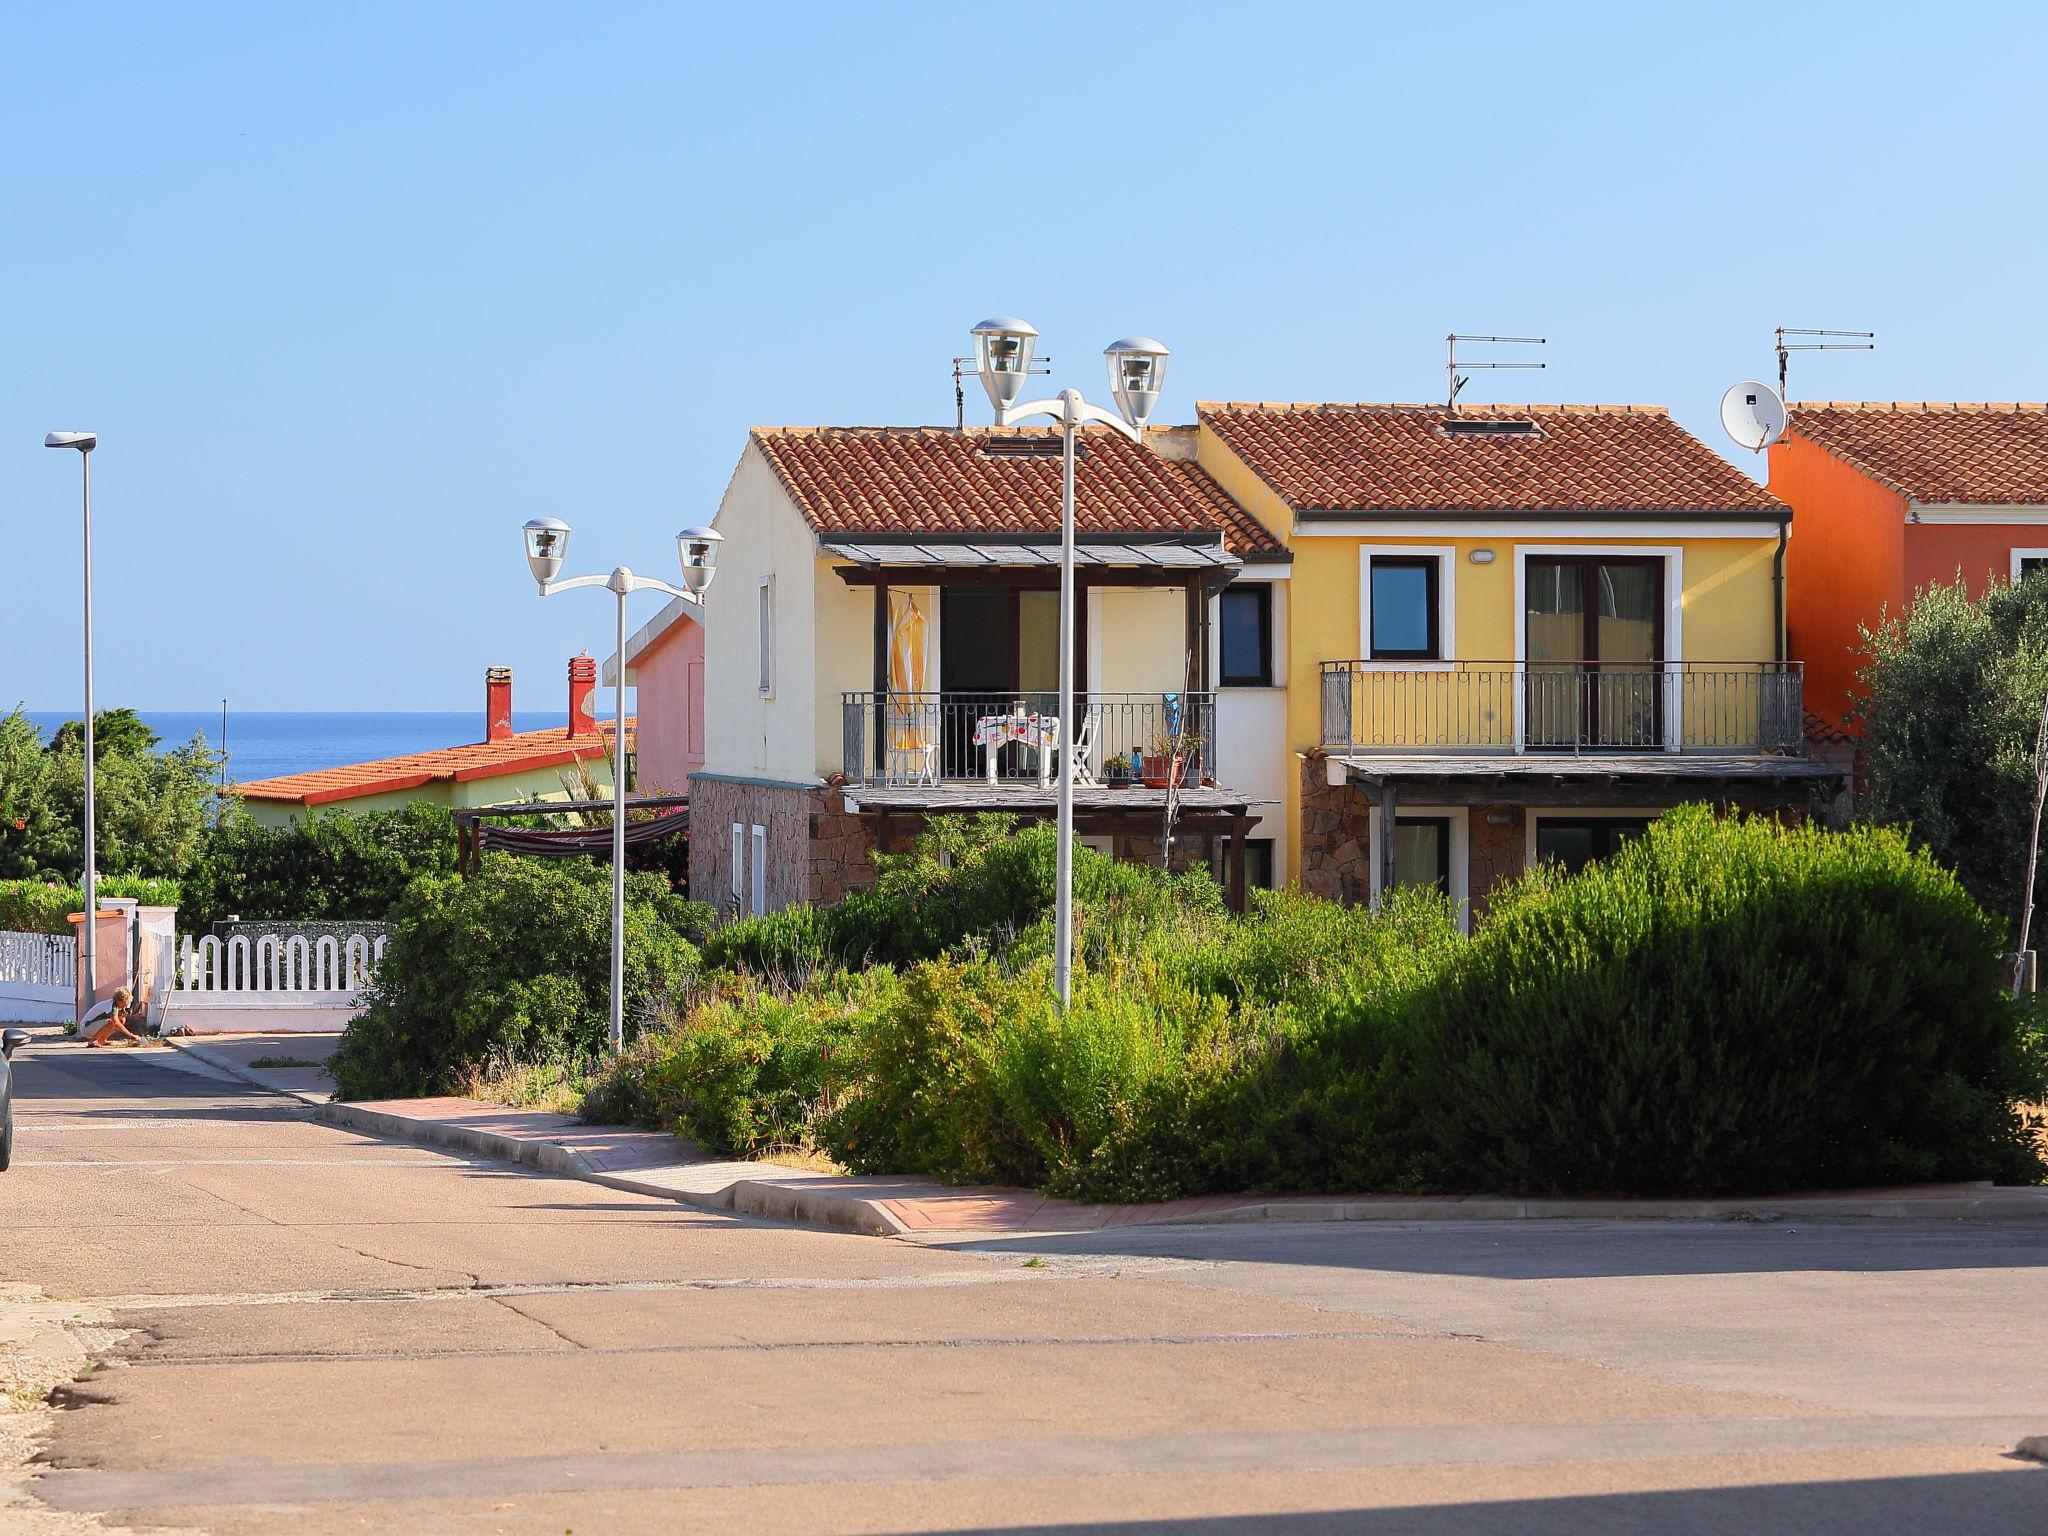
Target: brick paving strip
[[656, 1163]]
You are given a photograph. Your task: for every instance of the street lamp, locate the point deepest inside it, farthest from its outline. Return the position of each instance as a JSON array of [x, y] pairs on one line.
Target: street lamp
[[88, 935], [546, 540], [1137, 369]]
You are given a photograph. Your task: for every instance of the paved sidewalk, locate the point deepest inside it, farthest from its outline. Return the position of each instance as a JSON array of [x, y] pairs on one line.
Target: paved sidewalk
[[655, 1163]]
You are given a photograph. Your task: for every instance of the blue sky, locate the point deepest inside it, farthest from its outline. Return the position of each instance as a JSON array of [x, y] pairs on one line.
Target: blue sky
[[351, 292]]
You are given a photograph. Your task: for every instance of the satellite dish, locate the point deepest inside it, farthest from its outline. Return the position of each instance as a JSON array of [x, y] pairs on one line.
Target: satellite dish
[[1753, 415]]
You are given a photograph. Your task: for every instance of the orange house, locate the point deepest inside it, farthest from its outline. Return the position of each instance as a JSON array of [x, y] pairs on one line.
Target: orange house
[[1889, 497]]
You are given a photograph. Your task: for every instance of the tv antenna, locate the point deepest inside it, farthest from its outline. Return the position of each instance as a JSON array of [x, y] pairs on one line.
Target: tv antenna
[[1867, 344], [1453, 382], [1040, 365], [1753, 414]]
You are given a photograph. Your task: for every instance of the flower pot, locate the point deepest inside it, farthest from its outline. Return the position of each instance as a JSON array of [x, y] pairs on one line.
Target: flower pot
[[1162, 771]]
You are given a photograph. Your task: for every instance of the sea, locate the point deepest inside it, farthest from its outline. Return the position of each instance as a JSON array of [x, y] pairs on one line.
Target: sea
[[263, 744]]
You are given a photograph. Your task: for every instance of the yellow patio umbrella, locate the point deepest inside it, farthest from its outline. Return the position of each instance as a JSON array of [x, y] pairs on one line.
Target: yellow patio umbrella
[[907, 674]]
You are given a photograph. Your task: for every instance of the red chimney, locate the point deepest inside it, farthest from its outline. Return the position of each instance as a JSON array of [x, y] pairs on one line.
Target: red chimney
[[582, 696], [497, 703]]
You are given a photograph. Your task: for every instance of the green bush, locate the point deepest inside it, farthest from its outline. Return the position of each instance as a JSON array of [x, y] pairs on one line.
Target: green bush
[[151, 806], [747, 1072], [1727, 1006], [790, 945], [1146, 1088], [34, 906], [333, 867], [1950, 703], [512, 965]]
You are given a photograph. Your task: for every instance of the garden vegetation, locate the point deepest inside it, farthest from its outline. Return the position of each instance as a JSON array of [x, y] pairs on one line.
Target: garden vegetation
[[1724, 1006]]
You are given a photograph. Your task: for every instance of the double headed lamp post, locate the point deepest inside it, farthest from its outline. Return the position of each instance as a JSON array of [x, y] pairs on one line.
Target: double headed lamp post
[[547, 545], [1137, 368], [88, 934]]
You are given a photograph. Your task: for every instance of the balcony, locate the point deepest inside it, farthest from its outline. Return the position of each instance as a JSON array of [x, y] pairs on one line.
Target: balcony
[[1010, 739], [1569, 708]]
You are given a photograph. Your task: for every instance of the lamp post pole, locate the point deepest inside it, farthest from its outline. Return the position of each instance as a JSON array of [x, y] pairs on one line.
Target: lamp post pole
[[89, 930], [88, 937], [547, 544], [617, 1032], [1063, 839], [1002, 351]]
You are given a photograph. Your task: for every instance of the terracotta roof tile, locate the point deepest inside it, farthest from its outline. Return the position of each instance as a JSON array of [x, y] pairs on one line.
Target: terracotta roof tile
[[518, 753], [936, 480], [1581, 458], [1936, 451]]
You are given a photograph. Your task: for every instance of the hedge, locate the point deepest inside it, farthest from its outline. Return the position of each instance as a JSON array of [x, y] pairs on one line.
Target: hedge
[[34, 906]]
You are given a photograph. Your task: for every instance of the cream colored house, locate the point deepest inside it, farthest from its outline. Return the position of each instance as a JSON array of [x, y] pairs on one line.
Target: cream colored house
[[882, 646]]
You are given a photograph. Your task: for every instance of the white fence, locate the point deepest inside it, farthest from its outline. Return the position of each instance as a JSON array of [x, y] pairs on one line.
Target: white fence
[[39, 959], [272, 983], [38, 977]]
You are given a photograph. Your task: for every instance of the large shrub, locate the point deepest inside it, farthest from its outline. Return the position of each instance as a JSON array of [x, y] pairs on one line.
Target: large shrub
[[513, 964], [331, 867], [1155, 1082], [750, 1070], [1727, 1006], [1950, 704]]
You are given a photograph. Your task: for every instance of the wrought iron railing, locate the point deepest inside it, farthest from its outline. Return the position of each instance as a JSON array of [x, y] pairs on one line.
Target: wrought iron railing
[[912, 738], [1578, 707]]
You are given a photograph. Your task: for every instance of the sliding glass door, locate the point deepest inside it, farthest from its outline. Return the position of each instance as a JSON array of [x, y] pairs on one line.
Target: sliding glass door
[[1594, 638]]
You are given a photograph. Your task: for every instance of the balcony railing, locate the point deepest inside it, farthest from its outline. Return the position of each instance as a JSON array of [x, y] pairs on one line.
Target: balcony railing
[[1576, 707], [912, 738]]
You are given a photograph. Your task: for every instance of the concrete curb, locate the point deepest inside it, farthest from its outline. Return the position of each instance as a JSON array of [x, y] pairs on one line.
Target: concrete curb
[[744, 1197], [1994, 1204], [812, 1206], [807, 1202], [235, 1069]]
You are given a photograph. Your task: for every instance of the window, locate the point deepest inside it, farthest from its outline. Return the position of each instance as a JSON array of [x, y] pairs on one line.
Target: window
[[2025, 562], [758, 903], [1258, 862], [765, 635], [1576, 841], [1245, 620], [739, 863], [1422, 851], [1404, 611]]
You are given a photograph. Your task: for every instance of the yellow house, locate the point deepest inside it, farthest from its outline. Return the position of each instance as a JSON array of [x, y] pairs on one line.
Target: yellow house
[[1517, 632]]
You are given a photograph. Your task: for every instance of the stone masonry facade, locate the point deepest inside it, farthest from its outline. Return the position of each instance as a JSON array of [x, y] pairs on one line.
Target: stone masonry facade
[[1336, 841], [817, 850]]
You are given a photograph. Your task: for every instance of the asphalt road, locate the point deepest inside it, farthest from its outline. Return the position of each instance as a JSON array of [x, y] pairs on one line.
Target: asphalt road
[[334, 1333]]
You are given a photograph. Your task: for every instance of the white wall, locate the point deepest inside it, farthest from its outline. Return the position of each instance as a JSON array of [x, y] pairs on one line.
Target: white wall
[[775, 737]]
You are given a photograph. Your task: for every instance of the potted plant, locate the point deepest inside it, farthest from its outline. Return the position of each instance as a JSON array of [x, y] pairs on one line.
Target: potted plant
[[1166, 763]]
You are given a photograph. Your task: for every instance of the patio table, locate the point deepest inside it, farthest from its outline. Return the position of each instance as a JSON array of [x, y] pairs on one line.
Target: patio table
[[1039, 732]]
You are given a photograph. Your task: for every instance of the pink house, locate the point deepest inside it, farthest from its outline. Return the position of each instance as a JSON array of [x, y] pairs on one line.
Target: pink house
[[665, 663]]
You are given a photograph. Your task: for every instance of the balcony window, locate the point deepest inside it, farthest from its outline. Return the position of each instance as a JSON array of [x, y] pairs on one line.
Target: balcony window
[[1405, 620], [1245, 620]]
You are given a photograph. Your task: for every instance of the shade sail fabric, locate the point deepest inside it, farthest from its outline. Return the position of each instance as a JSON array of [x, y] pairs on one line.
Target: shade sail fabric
[[571, 842], [908, 673]]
